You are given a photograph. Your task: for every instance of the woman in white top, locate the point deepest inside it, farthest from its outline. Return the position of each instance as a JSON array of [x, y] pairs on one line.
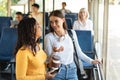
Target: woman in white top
[[83, 22], [59, 39]]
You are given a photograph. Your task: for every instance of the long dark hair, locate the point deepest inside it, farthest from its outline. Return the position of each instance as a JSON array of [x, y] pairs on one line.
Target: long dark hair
[[26, 34], [57, 13]]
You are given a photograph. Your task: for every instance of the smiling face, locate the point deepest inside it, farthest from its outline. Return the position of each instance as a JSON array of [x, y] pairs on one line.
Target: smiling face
[[56, 23], [83, 14]]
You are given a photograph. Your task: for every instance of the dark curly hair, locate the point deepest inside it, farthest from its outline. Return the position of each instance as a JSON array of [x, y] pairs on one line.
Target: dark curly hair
[[57, 13], [26, 34]]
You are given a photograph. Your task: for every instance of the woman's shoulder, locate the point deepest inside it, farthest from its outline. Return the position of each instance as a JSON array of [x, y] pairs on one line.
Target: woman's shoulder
[[49, 35], [24, 50], [89, 20], [76, 21]]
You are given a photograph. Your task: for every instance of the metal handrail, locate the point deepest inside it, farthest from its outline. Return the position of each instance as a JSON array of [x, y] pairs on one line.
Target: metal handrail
[[100, 72], [99, 66]]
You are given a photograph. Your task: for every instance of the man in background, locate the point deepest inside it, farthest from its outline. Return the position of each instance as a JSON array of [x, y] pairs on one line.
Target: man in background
[[36, 14], [18, 18], [64, 10]]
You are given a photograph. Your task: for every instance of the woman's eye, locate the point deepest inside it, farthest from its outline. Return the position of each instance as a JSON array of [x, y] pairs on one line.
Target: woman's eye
[[56, 21]]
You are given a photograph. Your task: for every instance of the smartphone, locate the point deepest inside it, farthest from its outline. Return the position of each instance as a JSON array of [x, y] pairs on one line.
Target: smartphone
[[55, 71]]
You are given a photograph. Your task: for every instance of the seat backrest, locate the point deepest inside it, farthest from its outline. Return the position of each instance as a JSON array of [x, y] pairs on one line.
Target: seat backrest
[[73, 16], [69, 23], [85, 40], [7, 43], [5, 22]]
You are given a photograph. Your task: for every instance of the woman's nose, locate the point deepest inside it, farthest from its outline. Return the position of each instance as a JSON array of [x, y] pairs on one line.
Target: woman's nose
[[54, 24]]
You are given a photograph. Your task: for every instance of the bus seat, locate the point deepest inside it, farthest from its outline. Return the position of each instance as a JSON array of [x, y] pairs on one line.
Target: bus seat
[[69, 23], [86, 44], [4, 22], [73, 16], [85, 40], [8, 43], [88, 65]]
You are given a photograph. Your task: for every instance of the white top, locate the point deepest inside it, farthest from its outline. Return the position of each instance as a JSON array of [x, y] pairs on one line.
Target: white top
[[14, 24], [65, 11], [38, 18], [87, 26], [67, 54]]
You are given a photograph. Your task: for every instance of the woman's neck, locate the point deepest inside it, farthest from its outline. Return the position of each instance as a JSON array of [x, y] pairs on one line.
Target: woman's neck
[[61, 32], [83, 21]]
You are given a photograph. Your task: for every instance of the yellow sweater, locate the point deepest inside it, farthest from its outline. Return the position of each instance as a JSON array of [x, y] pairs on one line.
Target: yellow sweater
[[30, 67]]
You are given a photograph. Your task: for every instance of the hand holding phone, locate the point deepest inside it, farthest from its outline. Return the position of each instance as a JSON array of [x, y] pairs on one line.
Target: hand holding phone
[[55, 71], [50, 74]]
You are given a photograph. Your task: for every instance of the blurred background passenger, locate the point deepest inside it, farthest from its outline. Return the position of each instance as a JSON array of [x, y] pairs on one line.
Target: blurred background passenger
[[64, 10], [83, 22], [36, 14], [18, 18]]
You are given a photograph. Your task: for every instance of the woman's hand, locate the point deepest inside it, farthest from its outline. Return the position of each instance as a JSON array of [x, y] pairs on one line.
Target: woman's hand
[[49, 74], [96, 62], [55, 49]]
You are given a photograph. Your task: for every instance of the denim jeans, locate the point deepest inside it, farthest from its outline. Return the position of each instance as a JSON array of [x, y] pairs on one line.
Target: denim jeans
[[66, 72]]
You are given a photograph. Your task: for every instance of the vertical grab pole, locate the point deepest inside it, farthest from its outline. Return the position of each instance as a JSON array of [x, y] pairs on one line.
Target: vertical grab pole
[[43, 22], [53, 4], [105, 36]]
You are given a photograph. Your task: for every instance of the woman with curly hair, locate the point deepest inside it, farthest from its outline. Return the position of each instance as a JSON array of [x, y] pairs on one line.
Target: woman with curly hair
[[30, 58]]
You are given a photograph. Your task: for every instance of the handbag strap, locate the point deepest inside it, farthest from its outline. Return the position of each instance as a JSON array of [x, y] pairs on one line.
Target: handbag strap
[[75, 53], [76, 59]]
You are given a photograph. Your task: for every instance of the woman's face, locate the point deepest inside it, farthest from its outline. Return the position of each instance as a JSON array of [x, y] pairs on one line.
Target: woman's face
[[56, 23], [38, 30], [83, 15]]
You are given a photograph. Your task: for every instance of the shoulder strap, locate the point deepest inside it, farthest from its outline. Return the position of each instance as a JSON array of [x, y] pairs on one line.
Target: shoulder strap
[[71, 36], [76, 59], [75, 53]]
